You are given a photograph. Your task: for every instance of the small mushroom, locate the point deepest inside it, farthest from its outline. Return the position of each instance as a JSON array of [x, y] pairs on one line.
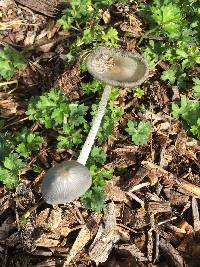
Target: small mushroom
[[116, 67], [65, 182]]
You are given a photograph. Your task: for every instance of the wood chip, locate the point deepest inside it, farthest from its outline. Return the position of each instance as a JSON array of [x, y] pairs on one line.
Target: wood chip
[[48, 240], [175, 229], [81, 240], [176, 93], [194, 189], [85, 234], [30, 38], [195, 212], [159, 207], [8, 106], [157, 171], [136, 180], [157, 240], [177, 198], [24, 200], [7, 227], [107, 236], [171, 179], [138, 219], [46, 7], [150, 243], [171, 254], [49, 219], [134, 250], [136, 198], [114, 193]]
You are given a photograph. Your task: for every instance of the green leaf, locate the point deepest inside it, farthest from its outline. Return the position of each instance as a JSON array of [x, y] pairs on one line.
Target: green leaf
[[27, 142], [13, 163], [92, 87], [168, 16], [11, 60], [113, 113], [8, 178], [110, 37], [10, 169], [70, 139], [139, 132], [98, 155], [195, 129], [196, 87], [189, 112], [53, 110], [169, 75], [94, 199]]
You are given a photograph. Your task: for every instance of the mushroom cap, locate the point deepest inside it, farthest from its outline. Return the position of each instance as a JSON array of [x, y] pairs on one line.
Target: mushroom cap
[[65, 182], [117, 67]]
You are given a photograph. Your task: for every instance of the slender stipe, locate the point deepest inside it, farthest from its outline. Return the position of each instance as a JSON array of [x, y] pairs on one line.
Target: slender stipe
[[85, 151]]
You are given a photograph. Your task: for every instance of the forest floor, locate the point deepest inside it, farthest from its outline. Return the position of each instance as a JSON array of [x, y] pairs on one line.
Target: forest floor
[[148, 211]]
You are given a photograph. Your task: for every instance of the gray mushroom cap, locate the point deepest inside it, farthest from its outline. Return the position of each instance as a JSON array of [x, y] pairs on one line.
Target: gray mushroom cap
[[65, 182], [117, 67]]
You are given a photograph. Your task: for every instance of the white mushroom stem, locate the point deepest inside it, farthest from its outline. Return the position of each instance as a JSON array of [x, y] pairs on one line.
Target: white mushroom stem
[[85, 151]]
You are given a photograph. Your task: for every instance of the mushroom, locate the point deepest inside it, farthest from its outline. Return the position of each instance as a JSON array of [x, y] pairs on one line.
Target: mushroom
[[115, 67]]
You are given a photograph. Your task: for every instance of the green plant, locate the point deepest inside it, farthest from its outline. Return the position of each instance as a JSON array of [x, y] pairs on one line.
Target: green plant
[[27, 142], [11, 60], [196, 87], [167, 16], [10, 168], [12, 147], [92, 87], [179, 38], [5, 145], [139, 132], [55, 111], [175, 75], [80, 12], [189, 112], [94, 198], [2, 123], [138, 92], [25, 218], [84, 18]]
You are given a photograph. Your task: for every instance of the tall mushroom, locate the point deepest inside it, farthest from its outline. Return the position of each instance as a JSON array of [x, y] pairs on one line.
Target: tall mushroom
[[115, 67]]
